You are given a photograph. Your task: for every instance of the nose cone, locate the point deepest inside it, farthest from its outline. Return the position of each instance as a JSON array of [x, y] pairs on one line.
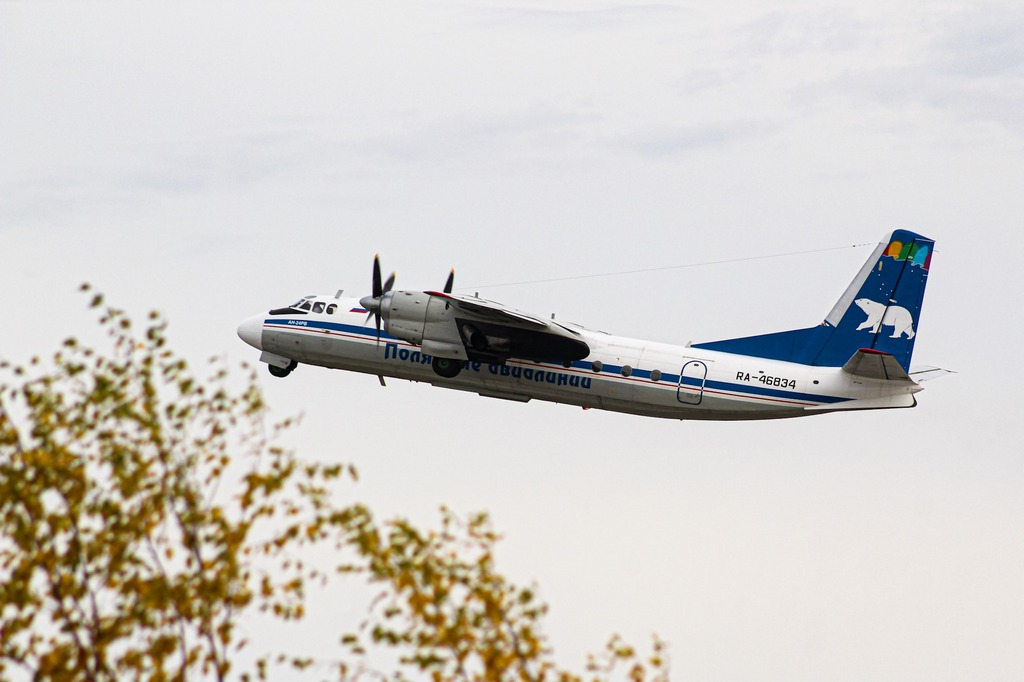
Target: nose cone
[[251, 331]]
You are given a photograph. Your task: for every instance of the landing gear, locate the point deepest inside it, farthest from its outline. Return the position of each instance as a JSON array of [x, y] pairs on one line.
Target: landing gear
[[446, 367], [282, 371]]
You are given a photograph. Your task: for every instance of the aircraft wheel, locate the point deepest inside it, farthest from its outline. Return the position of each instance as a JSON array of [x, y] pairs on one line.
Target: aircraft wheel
[[446, 367], [282, 371]]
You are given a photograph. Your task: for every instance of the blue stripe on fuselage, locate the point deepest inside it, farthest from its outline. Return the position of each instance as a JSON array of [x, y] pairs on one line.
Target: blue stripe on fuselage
[[608, 372], [694, 382], [368, 332]]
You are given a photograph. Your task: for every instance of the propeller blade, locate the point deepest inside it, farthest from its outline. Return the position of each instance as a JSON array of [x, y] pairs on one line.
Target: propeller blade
[[372, 302], [376, 277], [450, 282]]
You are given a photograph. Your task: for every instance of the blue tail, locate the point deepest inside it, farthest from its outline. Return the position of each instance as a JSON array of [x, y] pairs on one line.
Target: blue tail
[[880, 310]]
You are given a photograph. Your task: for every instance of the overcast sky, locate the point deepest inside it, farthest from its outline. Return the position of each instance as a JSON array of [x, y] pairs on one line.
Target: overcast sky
[[214, 160]]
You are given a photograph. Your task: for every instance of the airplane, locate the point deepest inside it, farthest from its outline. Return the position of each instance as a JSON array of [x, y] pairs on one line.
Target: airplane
[[857, 358]]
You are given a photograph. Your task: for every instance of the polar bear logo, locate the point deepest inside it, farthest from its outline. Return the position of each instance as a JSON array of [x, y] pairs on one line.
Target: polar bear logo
[[880, 315]]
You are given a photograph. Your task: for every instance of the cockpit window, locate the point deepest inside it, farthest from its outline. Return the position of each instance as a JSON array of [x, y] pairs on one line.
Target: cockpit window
[[300, 307], [331, 308], [318, 307]]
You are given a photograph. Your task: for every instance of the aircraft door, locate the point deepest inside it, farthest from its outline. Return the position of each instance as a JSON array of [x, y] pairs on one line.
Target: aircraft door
[[691, 381]]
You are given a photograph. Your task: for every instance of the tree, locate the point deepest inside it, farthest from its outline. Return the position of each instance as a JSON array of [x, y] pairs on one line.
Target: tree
[[454, 617], [145, 514]]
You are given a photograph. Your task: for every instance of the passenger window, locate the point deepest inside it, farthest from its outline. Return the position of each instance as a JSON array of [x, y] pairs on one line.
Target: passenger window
[[331, 308], [318, 307]]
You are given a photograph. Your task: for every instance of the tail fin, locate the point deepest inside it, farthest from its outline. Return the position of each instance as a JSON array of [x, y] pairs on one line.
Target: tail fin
[[880, 310]]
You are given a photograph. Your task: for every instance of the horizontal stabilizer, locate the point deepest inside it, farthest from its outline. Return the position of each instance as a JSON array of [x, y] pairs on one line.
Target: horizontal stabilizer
[[927, 373], [874, 364]]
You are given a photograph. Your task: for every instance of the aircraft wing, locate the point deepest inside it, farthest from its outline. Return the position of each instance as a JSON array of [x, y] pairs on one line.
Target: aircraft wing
[[493, 333], [491, 310]]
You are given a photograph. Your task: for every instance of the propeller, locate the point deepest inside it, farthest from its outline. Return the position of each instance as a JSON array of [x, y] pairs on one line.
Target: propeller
[[372, 302]]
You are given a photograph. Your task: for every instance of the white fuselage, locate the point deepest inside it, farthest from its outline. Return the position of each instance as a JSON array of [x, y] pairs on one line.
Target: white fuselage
[[620, 374]]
